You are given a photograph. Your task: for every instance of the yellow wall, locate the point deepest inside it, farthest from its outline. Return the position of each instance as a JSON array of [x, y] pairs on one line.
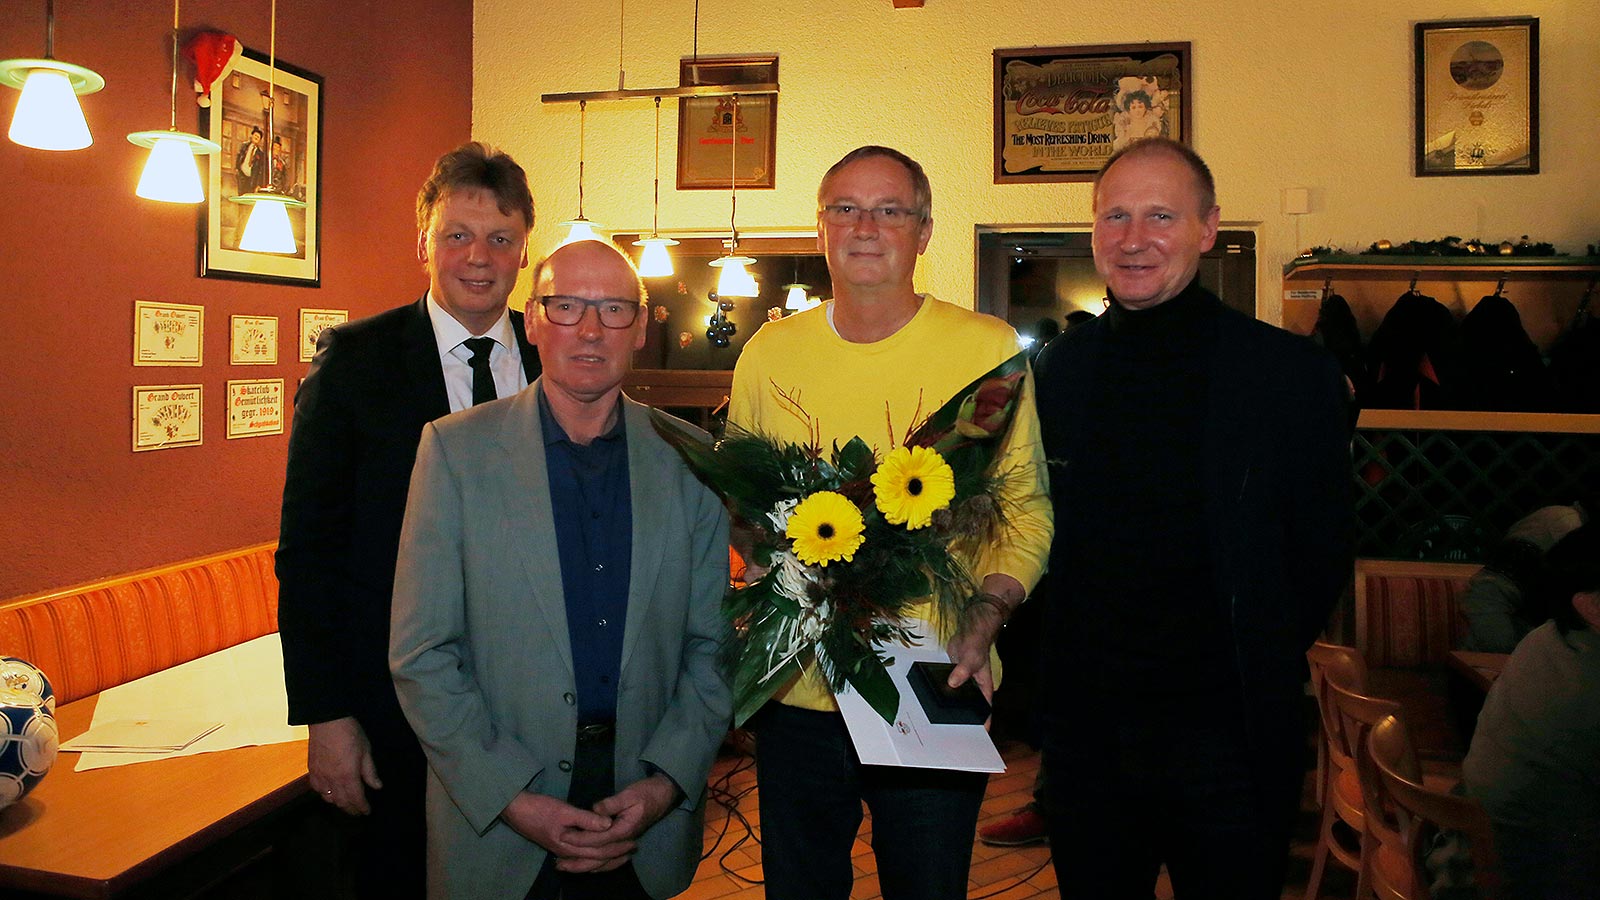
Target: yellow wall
[[1286, 94]]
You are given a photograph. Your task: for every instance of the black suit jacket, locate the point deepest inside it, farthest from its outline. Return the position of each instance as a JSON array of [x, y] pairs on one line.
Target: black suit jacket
[[1278, 486], [358, 418]]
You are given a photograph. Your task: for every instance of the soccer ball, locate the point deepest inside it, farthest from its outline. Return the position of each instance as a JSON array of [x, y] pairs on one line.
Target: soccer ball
[[21, 675], [28, 736]]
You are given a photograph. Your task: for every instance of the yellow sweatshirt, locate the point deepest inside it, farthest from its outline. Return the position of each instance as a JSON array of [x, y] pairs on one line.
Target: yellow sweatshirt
[[880, 392]]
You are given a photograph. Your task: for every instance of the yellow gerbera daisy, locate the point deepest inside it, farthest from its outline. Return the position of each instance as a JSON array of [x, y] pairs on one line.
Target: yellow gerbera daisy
[[912, 484], [825, 526]]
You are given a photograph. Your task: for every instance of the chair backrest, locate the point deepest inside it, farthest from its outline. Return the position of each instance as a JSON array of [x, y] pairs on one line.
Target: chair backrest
[[1356, 714], [1422, 812], [1329, 662]]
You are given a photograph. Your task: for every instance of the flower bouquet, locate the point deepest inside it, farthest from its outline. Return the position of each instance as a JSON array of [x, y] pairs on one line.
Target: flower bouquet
[[850, 542]]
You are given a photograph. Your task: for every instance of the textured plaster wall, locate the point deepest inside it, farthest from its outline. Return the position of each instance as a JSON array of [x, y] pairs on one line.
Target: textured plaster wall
[[1314, 95]]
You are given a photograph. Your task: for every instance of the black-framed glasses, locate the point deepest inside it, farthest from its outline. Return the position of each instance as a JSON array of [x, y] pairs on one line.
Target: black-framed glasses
[[614, 312], [845, 214]]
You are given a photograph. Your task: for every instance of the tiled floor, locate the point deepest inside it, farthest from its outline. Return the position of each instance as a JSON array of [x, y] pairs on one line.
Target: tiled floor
[[732, 870]]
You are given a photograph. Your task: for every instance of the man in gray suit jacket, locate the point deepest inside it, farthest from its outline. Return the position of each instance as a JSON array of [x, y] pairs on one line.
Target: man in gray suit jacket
[[557, 624]]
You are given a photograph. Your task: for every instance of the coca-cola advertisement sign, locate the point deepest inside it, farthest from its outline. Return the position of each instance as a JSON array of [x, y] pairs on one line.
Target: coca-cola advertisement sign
[[1060, 112]]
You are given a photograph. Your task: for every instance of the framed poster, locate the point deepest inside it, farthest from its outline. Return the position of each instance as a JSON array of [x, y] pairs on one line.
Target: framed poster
[[312, 321], [289, 160], [166, 416], [1060, 112], [255, 407], [168, 334], [1477, 97], [709, 126], [253, 340]]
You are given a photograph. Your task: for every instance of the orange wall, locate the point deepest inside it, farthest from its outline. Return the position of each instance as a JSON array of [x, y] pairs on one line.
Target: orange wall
[[77, 248]]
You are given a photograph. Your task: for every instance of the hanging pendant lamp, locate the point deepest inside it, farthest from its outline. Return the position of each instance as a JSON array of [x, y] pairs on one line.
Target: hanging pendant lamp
[[268, 229], [48, 115], [580, 228], [734, 280], [170, 174], [654, 261]]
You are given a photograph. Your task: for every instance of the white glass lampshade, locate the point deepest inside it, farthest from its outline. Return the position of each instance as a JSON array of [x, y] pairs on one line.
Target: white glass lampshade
[[796, 301], [654, 261], [734, 280], [267, 230], [48, 115], [581, 229], [170, 174]]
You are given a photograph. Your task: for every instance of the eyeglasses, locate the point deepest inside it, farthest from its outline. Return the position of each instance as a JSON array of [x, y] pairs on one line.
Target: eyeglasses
[[613, 312], [845, 214]]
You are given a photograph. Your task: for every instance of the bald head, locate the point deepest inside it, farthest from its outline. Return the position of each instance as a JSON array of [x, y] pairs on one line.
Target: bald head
[[585, 255]]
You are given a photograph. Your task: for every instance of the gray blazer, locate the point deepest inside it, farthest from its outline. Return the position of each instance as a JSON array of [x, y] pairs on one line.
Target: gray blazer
[[480, 653]]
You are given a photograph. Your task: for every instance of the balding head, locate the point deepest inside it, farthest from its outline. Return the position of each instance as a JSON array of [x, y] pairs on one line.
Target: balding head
[[584, 254]]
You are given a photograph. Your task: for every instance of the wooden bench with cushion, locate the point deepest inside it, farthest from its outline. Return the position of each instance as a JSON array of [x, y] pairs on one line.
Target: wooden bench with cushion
[[97, 636], [1408, 612], [1408, 619]]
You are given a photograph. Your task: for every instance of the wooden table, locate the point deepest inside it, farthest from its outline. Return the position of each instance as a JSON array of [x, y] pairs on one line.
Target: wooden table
[[1480, 669], [98, 833]]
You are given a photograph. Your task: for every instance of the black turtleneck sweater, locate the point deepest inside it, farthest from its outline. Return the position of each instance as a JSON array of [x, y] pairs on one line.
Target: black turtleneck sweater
[[1138, 597]]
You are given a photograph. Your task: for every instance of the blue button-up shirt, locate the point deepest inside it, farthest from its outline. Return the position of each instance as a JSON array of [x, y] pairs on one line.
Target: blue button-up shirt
[[594, 537]]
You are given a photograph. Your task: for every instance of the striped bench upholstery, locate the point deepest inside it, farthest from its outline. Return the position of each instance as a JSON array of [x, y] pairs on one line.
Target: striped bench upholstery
[[96, 636], [1407, 611]]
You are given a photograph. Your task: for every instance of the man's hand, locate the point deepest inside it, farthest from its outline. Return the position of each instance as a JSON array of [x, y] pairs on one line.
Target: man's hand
[[980, 624], [631, 811], [577, 837], [340, 761]]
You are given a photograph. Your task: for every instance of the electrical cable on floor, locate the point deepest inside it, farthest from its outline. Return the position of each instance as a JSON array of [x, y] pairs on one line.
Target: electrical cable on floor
[[720, 791], [1018, 883]]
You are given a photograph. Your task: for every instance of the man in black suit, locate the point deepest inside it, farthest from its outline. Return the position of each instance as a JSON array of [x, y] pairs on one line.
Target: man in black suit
[[248, 163], [1201, 478], [358, 419]]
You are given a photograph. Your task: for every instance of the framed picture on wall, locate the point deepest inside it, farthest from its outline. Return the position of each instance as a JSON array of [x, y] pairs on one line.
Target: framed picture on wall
[[167, 416], [708, 127], [288, 159], [1060, 112], [1477, 89], [312, 322]]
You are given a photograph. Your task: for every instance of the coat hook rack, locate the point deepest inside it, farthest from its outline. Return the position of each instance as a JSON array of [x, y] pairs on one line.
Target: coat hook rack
[[1327, 287], [1500, 286], [1413, 288]]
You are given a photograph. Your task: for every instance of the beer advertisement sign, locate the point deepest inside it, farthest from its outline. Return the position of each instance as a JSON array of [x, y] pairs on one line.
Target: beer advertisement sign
[[1060, 112]]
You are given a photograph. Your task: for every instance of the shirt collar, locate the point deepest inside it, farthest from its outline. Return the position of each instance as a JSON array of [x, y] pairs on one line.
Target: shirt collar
[[553, 433], [449, 333]]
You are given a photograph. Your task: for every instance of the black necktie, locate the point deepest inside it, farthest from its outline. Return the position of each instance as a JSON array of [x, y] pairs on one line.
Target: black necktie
[[482, 378]]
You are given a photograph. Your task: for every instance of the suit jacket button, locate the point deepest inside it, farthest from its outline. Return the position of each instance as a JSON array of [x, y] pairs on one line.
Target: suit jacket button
[[564, 766], [569, 698]]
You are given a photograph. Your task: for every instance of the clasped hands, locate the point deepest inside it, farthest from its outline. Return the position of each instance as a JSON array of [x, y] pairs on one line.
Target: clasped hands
[[597, 840]]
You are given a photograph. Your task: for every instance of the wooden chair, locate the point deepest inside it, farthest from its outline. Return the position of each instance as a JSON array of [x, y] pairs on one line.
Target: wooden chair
[[1400, 793], [1321, 657], [1348, 715]]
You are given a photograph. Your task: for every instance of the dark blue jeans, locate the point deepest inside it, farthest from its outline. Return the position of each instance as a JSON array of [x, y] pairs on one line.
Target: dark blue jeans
[[1138, 782], [811, 785]]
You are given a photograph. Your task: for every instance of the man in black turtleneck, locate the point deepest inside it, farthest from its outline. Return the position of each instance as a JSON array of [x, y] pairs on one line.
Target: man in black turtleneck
[[1200, 473]]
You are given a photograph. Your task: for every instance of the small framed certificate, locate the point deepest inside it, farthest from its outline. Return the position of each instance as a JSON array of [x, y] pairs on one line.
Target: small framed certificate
[[312, 321], [166, 416], [253, 340], [167, 334], [255, 407]]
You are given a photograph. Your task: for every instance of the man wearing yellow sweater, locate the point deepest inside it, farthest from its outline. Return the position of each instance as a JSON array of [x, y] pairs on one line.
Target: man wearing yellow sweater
[[872, 363]]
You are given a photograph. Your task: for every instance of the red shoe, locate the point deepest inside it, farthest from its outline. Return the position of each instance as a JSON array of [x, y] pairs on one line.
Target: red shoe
[[1026, 827]]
